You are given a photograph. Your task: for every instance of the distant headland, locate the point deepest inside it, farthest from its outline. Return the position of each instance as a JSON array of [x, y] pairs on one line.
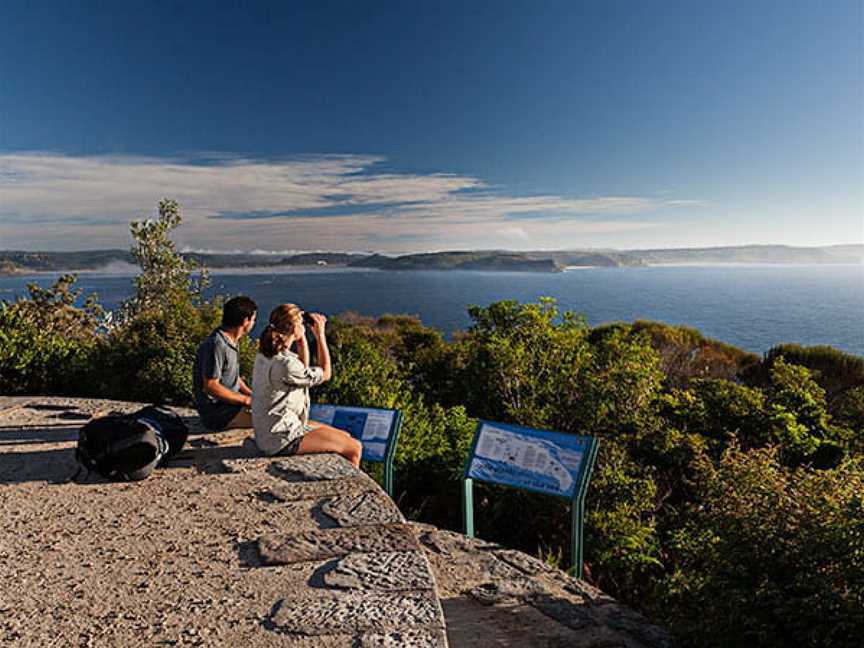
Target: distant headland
[[23, 262]]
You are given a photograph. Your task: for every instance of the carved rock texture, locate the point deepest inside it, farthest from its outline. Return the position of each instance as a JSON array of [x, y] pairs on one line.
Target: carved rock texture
[[362, 510], [352, 612], [412, 638], [392, 571], [315, 467], [283, 549]]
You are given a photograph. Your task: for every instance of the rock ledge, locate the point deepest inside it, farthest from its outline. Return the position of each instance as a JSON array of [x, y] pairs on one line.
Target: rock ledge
[[224, 547]]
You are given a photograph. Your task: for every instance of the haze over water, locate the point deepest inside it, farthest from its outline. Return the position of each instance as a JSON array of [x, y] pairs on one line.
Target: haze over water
[[752, 307]]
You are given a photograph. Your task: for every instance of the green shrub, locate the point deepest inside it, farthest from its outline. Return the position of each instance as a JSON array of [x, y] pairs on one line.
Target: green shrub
[[790, 411], [434, 440], [685, 354], [166, 278], [835, 371], [622, 546], [149, 358], [768, 555], [363, 375], [433, 446], [47, 344], [532, 365], [518, 360], [795, 396], [849, 413], [718, 409]]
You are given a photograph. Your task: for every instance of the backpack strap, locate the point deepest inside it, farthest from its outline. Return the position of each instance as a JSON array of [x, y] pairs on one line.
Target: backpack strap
[[157, 430]]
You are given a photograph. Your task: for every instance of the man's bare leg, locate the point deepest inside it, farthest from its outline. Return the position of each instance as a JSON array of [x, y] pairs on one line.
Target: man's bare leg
[[243, 419]]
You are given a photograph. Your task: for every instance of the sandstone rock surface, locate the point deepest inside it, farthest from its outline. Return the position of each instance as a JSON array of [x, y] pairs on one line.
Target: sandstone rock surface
[[223, 547]]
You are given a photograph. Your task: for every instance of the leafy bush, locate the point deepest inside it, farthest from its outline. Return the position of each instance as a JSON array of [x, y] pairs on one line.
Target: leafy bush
[[532, 365], [513, 353], [686, 354], [433, 446], [809, 434], [166, 277], [149, 358], [623, 547], [46, 342], [835, 371], [849, 413], [790, 411], [718, 409], [366, 375], [768, 556]]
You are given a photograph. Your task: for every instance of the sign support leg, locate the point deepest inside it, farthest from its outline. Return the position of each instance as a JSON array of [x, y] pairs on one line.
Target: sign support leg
[[388, 476], [468, 506], [576, 538]]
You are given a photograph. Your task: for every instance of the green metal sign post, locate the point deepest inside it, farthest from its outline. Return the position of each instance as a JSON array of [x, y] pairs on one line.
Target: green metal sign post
[[554, 463], [390, 452]]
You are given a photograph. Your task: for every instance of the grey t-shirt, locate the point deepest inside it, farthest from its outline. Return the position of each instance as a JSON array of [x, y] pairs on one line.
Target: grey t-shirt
[[217, 357]]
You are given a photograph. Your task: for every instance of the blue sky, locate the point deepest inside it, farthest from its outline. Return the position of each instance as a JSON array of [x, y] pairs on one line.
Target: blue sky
[[405, 126]]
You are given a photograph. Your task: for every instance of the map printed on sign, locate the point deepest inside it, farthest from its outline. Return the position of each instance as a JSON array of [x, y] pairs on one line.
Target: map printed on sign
[[538, 460], [368, 425]]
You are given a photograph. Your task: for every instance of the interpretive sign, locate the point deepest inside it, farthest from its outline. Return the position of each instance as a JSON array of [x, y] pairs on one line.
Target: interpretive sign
[[377, 429], [547, 462], [554, 463]]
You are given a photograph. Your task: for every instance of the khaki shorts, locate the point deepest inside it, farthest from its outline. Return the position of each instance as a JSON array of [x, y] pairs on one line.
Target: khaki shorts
[[294, 446]]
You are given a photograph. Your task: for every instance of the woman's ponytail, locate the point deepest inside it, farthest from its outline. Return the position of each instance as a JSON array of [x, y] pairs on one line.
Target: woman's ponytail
[[267, 342], [276, 336]]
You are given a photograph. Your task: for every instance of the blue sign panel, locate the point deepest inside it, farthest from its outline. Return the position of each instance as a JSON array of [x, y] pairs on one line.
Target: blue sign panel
[[351, 422], [370, 426], [537, 460]]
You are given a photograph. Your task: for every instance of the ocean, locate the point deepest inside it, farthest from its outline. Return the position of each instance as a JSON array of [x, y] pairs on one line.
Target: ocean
[[753, 307]]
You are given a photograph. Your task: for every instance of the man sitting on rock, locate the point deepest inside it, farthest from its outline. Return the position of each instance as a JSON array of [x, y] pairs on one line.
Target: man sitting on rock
[[221, 397]]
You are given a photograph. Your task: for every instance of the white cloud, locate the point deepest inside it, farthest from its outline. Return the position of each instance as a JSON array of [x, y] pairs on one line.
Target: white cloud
[[56, 201], [515, 233], [687, 203]]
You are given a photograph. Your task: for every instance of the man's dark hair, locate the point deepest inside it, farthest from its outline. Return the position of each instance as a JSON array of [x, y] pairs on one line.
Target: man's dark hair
[[236, 310]]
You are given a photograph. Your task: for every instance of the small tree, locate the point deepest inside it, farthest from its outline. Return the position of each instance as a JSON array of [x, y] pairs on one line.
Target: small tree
[[150, 353], [166, 276]]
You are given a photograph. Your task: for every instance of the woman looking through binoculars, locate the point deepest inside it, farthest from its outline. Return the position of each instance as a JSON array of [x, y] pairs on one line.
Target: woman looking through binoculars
[[280, 389]]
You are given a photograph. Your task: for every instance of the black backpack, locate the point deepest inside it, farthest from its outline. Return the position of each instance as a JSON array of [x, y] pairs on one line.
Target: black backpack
[[129, 446]]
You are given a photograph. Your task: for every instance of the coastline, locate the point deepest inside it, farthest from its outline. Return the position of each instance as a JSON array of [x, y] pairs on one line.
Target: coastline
[[753, 264], [232, 270], [282, 269]]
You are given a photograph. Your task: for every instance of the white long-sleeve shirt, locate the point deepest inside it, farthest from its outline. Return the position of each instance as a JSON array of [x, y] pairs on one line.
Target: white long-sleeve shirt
[[280, 399]]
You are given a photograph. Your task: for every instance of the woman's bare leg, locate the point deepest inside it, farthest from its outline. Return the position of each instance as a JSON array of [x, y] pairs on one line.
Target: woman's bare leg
[[325, 438]]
